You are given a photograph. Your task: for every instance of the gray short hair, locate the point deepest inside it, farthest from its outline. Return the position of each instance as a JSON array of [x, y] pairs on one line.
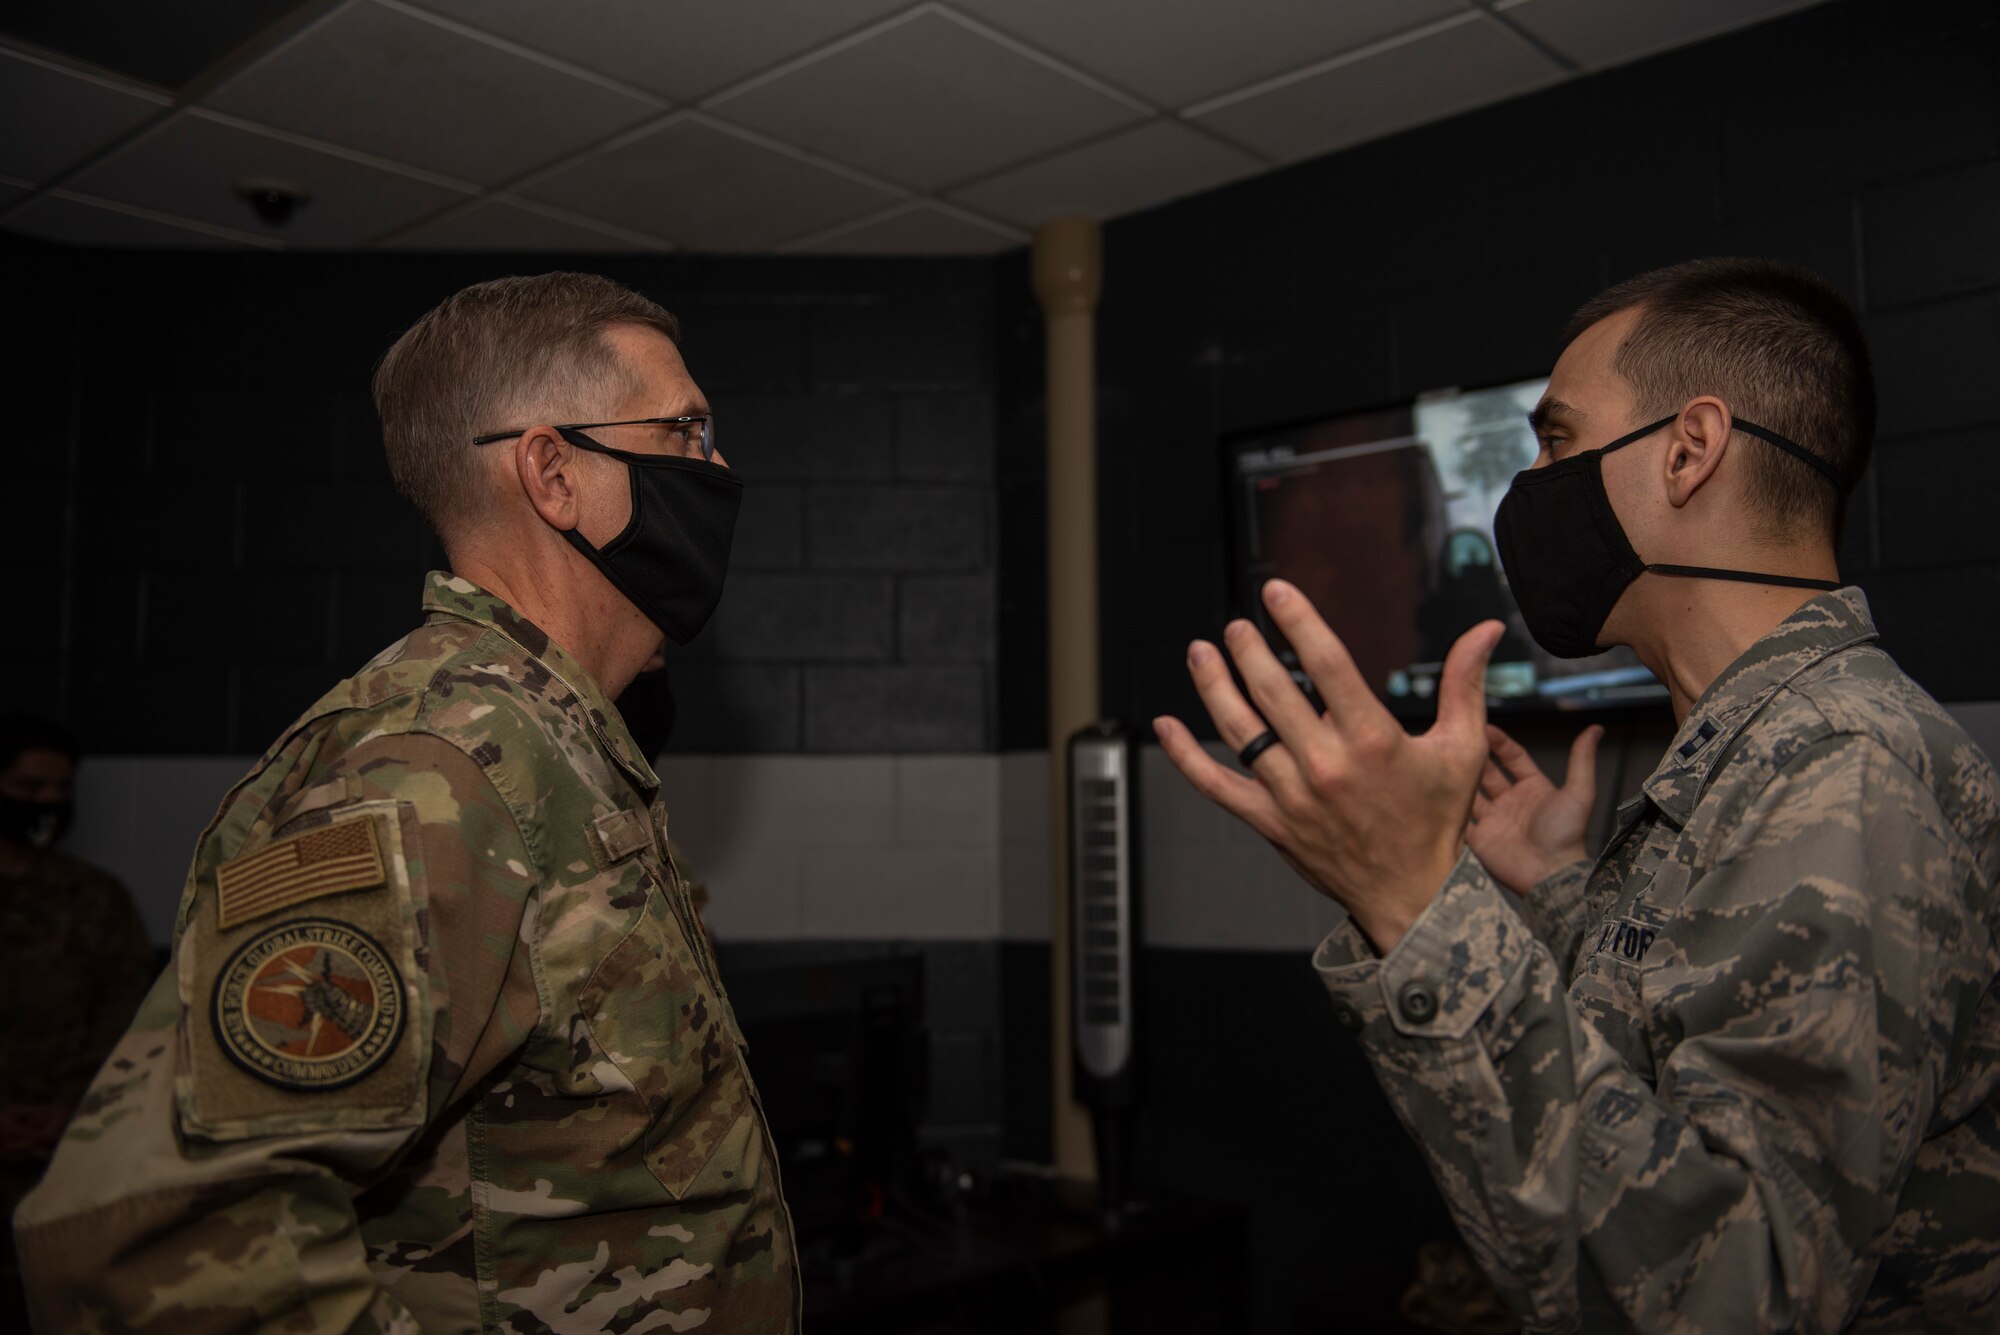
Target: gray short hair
[[484, 355]]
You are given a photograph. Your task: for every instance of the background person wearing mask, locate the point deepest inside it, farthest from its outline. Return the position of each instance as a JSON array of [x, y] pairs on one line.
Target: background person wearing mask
[[443, 1047], [1739, 1071], [74, 961]]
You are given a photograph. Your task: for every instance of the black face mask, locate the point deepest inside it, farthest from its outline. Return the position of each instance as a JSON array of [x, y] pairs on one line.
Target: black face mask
[[672, 559], [1567, 557], [35, 824]]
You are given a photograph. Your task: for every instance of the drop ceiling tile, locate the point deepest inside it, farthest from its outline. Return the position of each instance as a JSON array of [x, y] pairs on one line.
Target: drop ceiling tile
[[708, 189], [74, 220], [926, 102], [190, 165], [1597, 35], [920, 227], [164, 45], [499, 224], [681, 51], [398, 86], [52, 118], [1454, 66], [1176, 52], [1131, 170]]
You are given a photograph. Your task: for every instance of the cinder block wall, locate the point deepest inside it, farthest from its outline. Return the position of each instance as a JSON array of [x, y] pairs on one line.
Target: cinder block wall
[[1860, 139], [211, 538]]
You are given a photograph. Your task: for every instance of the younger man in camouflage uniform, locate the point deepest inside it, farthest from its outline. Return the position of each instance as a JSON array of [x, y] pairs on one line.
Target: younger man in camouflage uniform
[[1738, 1073], [442, 1047]]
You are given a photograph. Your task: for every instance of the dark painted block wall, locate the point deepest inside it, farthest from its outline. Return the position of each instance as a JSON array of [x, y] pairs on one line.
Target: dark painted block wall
[[204, 537], [1860, 139], [961, 1011]]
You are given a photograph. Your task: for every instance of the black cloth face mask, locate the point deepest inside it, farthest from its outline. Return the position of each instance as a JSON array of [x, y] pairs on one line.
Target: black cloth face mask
[[37, 825], [672, 558], [1567, 557]]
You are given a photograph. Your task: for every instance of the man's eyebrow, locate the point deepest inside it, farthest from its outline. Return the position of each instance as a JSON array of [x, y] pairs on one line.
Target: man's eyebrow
[[1552, 412]]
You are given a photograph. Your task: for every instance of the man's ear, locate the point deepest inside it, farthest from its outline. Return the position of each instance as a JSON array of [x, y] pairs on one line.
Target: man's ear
[[547, 466], [1699, 443]]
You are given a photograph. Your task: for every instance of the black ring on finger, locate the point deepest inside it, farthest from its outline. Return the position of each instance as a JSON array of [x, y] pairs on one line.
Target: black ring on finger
[[1257, 746]]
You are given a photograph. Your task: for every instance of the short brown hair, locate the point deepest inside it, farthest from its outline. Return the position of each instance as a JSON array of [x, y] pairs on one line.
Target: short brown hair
[[484, 357], [1779, 346]]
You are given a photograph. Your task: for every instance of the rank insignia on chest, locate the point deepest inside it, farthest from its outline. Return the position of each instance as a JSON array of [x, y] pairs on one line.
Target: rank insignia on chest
[[310, 1004], [326, 861]]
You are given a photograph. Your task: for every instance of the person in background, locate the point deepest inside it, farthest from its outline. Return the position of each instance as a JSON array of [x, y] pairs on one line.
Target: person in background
[[74, 961], [443, 1048], [1740, 1071]]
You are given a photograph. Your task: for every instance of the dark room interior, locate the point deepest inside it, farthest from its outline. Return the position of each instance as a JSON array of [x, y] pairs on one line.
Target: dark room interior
[[856, 756]]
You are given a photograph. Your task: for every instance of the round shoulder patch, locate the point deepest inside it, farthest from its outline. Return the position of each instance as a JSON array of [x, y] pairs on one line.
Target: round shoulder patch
[[309, 1004]]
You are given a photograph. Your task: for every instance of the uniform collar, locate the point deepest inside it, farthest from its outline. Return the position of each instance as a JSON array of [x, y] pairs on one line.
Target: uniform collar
[[1823, 627], [449, 595]]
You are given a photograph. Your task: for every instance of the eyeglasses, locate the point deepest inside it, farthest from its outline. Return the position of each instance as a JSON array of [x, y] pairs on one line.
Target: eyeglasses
[[695, 436]]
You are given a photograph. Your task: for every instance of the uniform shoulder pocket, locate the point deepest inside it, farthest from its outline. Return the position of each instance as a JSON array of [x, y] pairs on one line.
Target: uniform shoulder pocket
[[303, 987]]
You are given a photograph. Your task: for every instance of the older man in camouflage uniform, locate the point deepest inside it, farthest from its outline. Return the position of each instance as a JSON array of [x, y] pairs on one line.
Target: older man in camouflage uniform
[[443, 1046], [1739, 1072]]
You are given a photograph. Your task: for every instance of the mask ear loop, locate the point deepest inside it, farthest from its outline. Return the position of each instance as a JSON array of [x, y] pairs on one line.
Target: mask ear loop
[[1743, 577], [1640, 434], [1798, 452], [631, 529]]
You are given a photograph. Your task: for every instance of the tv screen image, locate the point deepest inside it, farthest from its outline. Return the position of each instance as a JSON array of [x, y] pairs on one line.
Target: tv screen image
[[1385, 519]]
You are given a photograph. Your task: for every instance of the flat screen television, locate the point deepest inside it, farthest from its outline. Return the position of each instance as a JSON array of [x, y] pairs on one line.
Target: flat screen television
[[1385, 519]]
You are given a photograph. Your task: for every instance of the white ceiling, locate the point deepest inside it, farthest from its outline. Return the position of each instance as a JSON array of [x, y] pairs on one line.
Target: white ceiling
[[826, 126]]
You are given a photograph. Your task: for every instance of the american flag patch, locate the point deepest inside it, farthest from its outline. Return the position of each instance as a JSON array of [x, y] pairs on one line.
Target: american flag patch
[[319, 862]]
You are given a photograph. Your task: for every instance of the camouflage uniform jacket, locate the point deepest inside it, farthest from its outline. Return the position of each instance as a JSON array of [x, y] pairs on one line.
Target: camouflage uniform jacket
[[1741, 1074], [442, 1047]]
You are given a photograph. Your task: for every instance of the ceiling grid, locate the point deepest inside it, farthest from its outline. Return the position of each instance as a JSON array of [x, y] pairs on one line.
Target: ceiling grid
[[784, 126]]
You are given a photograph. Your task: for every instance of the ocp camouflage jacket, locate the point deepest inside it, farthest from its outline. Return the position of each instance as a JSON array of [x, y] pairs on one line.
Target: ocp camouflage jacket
[[442, 1047]]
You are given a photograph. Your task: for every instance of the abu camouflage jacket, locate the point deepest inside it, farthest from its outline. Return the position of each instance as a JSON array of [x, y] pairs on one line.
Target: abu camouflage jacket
[[1741, 1074], [442, 1047]]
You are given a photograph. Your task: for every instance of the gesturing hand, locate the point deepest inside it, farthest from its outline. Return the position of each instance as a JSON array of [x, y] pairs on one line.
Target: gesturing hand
[[1524, 828], [1365, 812]]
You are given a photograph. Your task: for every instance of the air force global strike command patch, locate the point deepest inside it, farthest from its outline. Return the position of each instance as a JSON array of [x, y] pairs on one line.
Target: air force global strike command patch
[[310, 1004]]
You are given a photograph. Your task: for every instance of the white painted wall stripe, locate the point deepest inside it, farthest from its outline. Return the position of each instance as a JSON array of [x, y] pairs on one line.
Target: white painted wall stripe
[[948, 847]]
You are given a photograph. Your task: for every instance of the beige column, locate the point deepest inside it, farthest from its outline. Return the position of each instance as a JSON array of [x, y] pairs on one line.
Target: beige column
[[1068, 271]]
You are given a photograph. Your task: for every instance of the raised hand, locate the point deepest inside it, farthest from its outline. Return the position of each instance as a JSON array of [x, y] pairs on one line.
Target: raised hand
[[1524, 828], [1365, 812]]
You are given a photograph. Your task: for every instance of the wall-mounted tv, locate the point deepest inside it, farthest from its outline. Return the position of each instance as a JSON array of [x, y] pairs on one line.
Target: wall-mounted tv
[[1385, 519]]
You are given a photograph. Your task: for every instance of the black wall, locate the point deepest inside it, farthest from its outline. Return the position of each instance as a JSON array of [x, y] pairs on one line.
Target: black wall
[[203, 484], [202, 535], [1857, 139]]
